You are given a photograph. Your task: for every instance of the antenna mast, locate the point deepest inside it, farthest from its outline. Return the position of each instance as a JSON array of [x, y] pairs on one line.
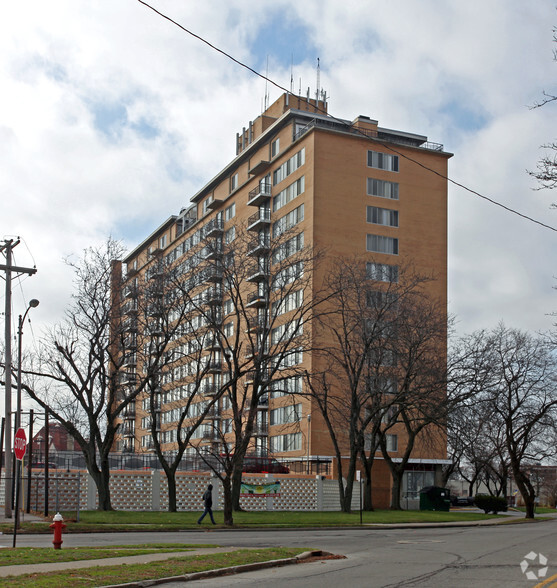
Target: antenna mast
[[318, 81]]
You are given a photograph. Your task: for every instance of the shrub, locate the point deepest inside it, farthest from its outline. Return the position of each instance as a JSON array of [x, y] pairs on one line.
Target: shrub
[[489, 503]]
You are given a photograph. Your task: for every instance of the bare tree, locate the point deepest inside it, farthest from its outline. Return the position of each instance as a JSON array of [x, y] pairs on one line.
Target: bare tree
[[417, 350], [81, 378], [360, 394], [237, 305], [520, 395], [546, 172]]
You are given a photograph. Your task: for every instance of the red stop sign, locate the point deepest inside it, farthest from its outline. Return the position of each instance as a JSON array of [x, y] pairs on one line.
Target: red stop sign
[[20, 444]]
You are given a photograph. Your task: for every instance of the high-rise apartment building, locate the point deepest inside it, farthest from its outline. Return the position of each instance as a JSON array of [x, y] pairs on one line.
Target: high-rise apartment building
[[301, 181]]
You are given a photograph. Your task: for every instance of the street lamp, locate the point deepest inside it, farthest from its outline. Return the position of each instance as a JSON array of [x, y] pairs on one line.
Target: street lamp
[[32, 304]]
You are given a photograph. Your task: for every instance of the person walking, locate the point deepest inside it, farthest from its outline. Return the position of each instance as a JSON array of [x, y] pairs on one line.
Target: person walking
[[208, 503]]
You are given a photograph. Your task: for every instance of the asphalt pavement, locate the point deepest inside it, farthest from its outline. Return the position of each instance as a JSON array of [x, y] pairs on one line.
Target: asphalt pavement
[[45, 541]]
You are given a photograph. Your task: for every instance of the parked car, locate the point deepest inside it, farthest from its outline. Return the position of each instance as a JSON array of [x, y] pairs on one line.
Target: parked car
[[263, 465], [462, 500]]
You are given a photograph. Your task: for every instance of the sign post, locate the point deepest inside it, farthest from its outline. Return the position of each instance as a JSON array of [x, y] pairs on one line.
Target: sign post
[[20, 447]]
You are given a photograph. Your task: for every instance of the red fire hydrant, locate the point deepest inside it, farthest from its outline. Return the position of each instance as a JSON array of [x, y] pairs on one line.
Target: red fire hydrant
[[57, 525]]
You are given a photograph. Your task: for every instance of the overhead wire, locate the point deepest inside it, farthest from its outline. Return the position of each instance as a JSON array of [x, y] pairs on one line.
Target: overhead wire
[[353, 129]]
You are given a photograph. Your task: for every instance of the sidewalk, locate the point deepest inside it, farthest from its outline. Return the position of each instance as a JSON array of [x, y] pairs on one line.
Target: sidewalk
[[111, 561]]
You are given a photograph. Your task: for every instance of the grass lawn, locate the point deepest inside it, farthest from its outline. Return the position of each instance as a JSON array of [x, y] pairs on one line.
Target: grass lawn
[[99, 521], [166, 520], [120, 574], [34, 555]]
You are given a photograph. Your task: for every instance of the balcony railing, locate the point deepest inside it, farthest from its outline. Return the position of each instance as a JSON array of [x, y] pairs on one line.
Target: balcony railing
[[259, 245], [258, 272], [260, 194], [214, 227], [256, 323], [213, 274], [259, 219], [208, 389], [130, 291], [261, 429], [256, 300]]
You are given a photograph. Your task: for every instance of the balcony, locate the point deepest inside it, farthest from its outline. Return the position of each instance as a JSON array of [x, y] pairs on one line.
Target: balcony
[[262, 375], [260, 429], [211, 341], [131, 291], [130, 360], [128, 430], [213, 295], [259, 220], [130, 307], [259, 272], [257, 350], [208, 389], [128, 377], [263, 402], [212, 250], [214, 413], [129, 412], [256, 323], [129, 326], [211, 435], [155, 310], [259, 246], [214, 366], [256, 300], [259, 167], [213, 274], [214, 228], [155, 272], [260, 195]]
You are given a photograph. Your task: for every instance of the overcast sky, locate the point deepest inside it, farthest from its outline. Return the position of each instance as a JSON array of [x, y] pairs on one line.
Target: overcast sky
[[111, 118]]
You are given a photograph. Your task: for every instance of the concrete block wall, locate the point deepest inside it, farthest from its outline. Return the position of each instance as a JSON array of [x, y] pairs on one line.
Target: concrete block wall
[[147, 490]]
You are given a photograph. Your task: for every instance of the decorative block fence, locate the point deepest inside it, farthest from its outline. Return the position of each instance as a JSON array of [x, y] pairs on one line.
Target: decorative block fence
[[148, 490]]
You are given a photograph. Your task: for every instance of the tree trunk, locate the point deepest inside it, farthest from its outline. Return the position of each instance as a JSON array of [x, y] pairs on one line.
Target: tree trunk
[[236, 487], [101, 480], [227, 502], [396, 490], [171, 481]]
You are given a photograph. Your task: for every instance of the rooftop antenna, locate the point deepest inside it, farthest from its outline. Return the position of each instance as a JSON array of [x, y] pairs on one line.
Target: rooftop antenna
[[266, 85], [318, 81], [300, 90], [291, 73]]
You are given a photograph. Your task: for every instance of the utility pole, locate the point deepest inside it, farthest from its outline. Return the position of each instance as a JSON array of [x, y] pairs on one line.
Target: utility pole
[[6, 248]]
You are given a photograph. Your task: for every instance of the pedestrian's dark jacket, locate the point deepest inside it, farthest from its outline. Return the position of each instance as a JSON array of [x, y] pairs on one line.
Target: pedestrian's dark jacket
[[208, 497]]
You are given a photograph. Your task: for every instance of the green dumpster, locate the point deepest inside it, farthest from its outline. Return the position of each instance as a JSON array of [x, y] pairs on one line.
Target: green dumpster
[[435, 498]]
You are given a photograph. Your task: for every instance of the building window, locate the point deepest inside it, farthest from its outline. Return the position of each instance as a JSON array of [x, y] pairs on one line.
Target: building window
[[289, 166], [392, 443], [382, 189], [286, 414], [275, 148], [384, 161], [285, 250], [228, 306], [382, 272], [290, 302], [382, 216], [230, 212], [162, 242], [289, 220], [230, 235], [233, 182], [380, 244], [292, 385], [289, 442], [288, 194], [206, 203]]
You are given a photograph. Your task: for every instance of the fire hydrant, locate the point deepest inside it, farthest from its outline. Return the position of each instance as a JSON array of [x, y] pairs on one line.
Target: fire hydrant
[[57, 525]]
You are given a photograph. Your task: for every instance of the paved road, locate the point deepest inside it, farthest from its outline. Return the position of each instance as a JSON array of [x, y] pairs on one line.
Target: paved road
[[453, 557]]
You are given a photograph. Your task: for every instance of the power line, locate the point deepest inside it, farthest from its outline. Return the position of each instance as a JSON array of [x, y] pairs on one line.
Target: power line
[[323, 111]]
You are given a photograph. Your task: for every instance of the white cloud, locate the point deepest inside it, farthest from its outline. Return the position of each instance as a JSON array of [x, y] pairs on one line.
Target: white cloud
[[461, 73]]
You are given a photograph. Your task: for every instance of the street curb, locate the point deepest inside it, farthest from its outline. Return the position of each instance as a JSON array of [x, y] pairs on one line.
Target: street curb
[[223, 571]]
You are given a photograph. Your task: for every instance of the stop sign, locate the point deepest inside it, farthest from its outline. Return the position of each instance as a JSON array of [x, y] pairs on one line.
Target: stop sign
[[20, 444]]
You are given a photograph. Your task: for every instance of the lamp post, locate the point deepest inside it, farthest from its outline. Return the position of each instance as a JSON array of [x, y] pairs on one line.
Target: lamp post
[[32, 304], [308, 444]]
